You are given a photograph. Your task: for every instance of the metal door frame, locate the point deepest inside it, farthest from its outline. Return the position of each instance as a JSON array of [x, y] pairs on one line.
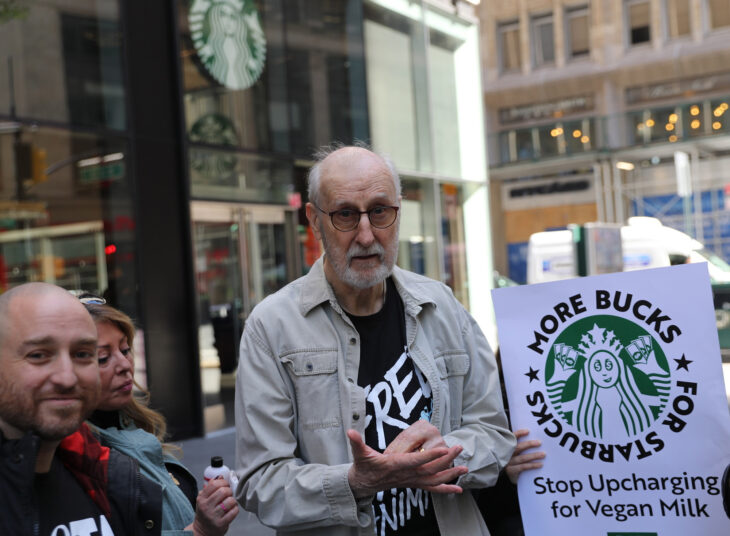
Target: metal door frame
[[243, 214]]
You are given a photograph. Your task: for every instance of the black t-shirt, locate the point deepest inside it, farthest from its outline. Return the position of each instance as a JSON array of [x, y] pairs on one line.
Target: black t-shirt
[[397, 396], [64, 506]]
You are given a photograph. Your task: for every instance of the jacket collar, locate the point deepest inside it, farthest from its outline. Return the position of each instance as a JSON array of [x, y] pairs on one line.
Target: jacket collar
[[317, 290]]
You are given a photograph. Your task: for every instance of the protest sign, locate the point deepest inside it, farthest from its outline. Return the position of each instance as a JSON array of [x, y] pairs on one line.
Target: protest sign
[[620, 377]]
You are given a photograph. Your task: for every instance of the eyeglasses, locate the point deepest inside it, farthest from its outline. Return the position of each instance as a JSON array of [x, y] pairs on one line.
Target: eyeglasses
[[87, 298], [347, 219]]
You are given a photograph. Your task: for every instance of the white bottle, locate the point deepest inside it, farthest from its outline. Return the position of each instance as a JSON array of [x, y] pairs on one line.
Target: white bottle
[[216, 469]]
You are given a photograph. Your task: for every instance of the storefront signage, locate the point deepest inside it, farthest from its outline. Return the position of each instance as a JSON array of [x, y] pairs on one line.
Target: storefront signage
[[550, 192], [229, 40], [554, 187], [101, 172], [545, 110], [677, 88], [619, 376], [214, 167]]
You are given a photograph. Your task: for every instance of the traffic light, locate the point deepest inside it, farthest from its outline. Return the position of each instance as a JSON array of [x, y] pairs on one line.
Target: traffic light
[[38, 164], [30, 162]]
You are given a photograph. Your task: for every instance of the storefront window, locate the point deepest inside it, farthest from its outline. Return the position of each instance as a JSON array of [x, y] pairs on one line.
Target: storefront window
[[66, 214], [298, 80], [424, 89], [233, 176], [452, 230], [61, 62], [398, 106], [418, 249]]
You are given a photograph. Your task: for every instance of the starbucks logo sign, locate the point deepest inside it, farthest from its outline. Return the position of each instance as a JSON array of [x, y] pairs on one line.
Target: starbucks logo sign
[[229, 40], [613, 383], [607, 373]]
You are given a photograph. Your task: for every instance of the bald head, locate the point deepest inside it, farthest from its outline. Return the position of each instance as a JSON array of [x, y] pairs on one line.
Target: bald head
[[33, 291], [359, 158]]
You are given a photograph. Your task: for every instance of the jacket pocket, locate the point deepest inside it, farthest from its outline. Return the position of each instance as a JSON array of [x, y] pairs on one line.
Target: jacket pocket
[[453, 367], [314, 376]]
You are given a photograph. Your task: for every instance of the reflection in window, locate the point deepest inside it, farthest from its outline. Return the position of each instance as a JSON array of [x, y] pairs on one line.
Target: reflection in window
[[720, 122], [390, 87], [577, 23], [70, 221], [508, 34], [663, 124], [566, 137], [543, 45], [228, 175], [552, 140], [719, 13], [638, 19], [452, 227], [678, 18], [418, 249], [442, 77], [310, 91], [579, 136], [64, 63], [694, 116]]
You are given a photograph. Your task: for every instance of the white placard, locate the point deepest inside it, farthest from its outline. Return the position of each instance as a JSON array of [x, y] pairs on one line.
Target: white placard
[[620, 377]]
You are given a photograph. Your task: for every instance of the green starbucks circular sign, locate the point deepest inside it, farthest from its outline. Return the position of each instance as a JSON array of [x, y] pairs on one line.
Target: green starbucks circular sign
[[229, 40], [607, 373]]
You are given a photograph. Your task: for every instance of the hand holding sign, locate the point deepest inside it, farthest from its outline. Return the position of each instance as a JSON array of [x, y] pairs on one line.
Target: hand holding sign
[[522, 462]]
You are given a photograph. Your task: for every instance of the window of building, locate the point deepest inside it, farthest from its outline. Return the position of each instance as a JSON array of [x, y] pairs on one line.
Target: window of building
[[577, 42], [66, 204], [508, 35], [677, 17], [718, 12], [638, 21], [543, 42]]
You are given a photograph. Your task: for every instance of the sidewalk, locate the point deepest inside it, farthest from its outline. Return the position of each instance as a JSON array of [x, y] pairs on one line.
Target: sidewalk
[[196, 457]]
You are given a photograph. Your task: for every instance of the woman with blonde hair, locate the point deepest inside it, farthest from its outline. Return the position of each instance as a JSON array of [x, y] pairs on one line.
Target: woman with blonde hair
[[124, 422]]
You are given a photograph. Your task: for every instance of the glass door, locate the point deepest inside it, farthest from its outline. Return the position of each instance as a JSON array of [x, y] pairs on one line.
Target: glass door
[[243, 253]]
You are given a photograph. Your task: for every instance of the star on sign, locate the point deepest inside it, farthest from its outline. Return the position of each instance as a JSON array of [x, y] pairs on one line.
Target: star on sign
[[683, 363], [532, 374]]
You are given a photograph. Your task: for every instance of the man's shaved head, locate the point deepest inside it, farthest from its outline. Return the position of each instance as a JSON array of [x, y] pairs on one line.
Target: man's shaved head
[[31, 290]]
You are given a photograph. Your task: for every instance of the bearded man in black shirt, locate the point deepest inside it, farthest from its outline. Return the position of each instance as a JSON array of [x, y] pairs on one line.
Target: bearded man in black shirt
[[367, 398]]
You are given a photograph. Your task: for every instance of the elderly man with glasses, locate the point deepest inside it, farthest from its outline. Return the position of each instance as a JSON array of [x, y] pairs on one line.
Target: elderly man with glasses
[[367, 398]]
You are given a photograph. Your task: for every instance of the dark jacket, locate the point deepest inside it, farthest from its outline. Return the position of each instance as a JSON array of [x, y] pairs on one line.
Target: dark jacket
[[131, 503]]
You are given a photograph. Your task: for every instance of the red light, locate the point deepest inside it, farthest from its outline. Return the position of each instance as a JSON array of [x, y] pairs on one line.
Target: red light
[[111, 248]]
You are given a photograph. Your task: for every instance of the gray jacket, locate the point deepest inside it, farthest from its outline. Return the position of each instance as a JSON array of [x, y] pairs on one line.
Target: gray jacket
[[297, 394]]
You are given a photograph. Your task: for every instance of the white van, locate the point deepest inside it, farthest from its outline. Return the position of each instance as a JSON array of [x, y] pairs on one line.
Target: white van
[[645, 242]]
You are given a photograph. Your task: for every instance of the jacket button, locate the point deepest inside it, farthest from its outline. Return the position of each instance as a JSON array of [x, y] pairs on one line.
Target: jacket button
[[350, 380], [355, 416], [149, 524], [18, 458], [353, 340], [309, 367]]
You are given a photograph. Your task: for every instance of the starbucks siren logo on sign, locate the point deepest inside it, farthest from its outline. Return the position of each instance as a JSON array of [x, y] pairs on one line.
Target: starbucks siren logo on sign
[[229, 40], [602, 387], [608, 382]]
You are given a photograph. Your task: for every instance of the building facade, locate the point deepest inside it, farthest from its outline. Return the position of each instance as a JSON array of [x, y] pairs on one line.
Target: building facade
[[587, 104], [157, 152]]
